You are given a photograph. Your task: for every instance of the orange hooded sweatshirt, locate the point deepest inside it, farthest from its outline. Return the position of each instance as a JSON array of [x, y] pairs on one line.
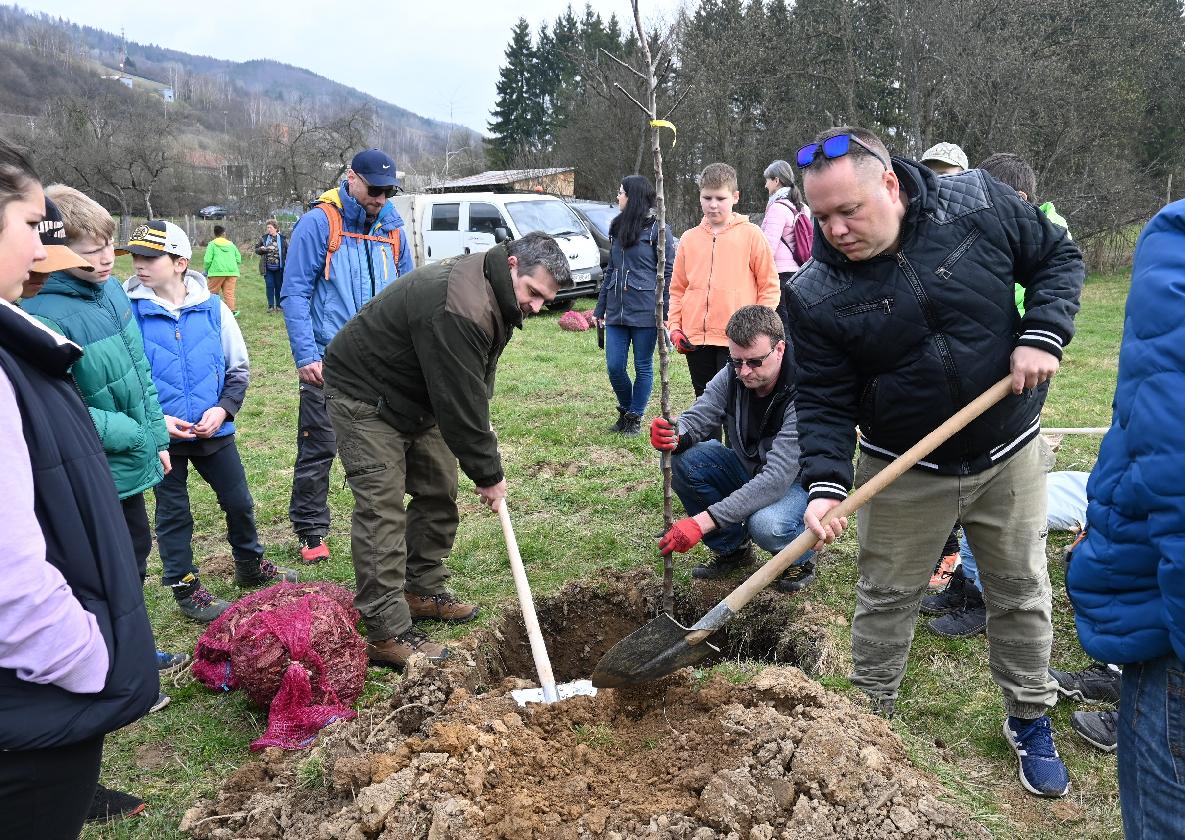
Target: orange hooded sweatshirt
[[717, 274]]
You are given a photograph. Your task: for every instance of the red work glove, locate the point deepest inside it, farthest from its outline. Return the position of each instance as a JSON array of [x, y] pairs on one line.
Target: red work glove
[[683, 536], [663, 435], [680, 341]]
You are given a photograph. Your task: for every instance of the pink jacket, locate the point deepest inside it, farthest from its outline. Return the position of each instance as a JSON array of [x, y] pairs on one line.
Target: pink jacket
[[783, 227]]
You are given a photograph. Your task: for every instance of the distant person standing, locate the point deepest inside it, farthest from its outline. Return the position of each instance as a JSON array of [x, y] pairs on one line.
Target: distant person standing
[[627, 301], [723, 263], [787, 226], [344, 251], [272, 250], [222, 268]]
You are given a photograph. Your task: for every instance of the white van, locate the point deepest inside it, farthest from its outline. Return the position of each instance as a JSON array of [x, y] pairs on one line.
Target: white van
[[443, 225]]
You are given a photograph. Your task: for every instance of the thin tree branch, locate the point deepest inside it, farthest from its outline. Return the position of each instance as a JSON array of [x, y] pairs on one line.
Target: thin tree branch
[[630, 96], [623, 64]]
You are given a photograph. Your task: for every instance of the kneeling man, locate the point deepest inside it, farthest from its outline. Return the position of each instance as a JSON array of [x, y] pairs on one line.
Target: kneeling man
[[747, 491]]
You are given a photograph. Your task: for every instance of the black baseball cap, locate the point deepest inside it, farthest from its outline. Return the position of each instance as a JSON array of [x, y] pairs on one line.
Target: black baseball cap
[[376, 167], [58, 256]]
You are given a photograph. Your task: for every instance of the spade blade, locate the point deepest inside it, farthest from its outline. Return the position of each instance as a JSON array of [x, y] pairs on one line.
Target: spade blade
[[650, 653]]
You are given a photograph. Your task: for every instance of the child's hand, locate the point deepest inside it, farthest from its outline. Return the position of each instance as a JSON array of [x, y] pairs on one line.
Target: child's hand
[[211, 421], [178, 428]]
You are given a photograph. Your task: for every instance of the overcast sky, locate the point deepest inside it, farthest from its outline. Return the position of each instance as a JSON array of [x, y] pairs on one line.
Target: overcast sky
[[438, 58]]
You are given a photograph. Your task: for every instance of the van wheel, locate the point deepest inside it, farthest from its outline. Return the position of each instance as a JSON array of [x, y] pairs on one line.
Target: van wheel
[[560, 305]]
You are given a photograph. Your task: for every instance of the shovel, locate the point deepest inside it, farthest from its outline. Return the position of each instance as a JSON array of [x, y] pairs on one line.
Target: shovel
[[549, 692], [664, 645]]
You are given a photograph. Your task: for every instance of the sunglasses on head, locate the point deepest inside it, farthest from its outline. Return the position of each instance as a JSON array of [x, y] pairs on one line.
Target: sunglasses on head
[[834, 147], [752, 363], [375, 192]]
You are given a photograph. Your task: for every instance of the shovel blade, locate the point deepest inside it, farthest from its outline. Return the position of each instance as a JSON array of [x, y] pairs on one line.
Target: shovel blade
[[649, 653]]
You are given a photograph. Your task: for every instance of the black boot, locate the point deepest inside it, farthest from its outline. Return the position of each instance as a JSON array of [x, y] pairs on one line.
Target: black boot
[[632, 424], [619, 426], [950, 599], [965, 621]]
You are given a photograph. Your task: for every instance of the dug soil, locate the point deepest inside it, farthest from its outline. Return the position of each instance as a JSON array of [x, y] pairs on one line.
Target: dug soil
[[452, 756]]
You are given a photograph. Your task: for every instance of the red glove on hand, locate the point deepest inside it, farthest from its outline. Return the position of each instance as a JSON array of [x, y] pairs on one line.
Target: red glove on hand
[[680, 341], [683, 536], [663, 435]]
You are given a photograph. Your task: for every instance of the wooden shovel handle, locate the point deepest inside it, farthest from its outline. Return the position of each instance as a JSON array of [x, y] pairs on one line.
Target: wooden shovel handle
[[766, 575], [527, 605]]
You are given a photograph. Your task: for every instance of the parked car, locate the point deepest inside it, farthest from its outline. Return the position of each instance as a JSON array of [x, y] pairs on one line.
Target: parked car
[[597, 216], [443, 225], [213, 211]]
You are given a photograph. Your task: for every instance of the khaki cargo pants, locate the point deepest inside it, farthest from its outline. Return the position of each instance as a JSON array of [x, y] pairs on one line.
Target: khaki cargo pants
[[901, 533], [394, 545]]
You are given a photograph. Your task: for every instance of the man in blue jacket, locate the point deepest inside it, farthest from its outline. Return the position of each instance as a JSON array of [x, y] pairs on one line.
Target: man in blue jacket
[[1127, 580], [344, 251]]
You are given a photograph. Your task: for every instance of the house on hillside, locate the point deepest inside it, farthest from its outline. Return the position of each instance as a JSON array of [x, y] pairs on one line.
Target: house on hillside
[[558, 181]]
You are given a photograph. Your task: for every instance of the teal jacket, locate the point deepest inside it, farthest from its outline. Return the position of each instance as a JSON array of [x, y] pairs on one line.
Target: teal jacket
[[112, 375], [222, 258]]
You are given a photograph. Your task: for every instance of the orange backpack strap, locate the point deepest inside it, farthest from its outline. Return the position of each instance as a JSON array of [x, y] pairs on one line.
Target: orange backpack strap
[[334, 216], [336, 233]]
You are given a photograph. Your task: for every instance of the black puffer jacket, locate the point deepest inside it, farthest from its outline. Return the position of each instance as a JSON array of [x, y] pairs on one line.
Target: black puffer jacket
[[900, 342]]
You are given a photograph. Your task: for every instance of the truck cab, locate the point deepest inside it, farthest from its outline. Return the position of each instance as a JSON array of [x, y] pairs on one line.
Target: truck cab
[[443, 225]]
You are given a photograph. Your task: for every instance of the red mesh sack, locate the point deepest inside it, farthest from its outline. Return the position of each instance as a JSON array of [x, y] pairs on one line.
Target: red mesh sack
[[588, 317], [294, 650], [573, 321]]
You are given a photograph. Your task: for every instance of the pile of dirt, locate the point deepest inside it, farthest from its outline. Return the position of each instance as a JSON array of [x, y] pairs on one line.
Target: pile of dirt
[[451, 756]]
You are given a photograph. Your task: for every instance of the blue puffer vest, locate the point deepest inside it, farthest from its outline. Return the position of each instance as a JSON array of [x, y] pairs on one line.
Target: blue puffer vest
[[185, 354]]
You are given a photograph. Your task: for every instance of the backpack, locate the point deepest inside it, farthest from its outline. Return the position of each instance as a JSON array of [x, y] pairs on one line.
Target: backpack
[[798, 258], [336, 232]]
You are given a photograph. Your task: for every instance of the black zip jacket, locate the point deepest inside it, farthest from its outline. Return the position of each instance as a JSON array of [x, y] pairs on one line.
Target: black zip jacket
[[86, 539], [898, 343]]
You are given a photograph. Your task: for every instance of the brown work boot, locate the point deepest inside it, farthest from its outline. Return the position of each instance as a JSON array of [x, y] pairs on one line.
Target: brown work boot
[[394, 653], [443, 606]]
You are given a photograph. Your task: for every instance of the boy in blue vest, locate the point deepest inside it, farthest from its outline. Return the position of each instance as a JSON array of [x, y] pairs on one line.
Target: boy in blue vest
[[200, 367]]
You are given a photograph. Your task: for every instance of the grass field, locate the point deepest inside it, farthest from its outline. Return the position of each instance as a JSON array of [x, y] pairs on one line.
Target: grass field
[[583, 499]]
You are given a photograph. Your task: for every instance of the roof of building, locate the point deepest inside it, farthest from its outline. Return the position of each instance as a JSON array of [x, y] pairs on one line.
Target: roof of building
[[495, 177]]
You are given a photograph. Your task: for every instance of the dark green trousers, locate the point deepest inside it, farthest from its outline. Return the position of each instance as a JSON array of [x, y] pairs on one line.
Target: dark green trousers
[[397, 542]]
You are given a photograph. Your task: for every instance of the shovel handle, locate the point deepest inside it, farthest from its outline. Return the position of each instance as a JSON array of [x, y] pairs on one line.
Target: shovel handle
[[527, 605], [766, 575]]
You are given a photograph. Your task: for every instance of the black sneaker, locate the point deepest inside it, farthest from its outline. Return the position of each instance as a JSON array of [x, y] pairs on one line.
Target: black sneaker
[[1097, 728], [797, 578], [1099, 683], [954, 597], [263, 572], [968, 620], [108, 805], [631, 423], [723, 565], [882, 706], [195, 601]]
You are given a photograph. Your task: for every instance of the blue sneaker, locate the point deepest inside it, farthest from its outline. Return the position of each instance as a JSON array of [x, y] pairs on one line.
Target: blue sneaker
[[169, 663], [1041, 769]]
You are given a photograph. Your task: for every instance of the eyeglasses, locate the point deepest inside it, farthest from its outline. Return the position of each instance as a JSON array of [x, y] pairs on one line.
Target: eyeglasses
[[375, 192], [834, 147], [752, 363]]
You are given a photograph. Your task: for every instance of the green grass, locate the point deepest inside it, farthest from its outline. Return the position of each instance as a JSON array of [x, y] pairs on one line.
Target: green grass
[[582, 499]]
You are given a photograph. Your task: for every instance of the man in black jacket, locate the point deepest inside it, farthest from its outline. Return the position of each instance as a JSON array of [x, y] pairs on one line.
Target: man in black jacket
[[905, 314], [408, 385]]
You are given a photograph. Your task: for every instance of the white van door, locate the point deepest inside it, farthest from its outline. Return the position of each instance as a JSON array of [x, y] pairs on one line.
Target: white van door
[[484, 219], [442, 231]]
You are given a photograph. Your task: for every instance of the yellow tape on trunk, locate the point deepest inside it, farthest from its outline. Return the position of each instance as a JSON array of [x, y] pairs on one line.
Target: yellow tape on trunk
[[667, 124]]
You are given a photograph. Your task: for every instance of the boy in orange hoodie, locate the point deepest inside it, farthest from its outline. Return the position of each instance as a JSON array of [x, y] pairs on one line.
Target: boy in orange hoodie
[[722, 264]]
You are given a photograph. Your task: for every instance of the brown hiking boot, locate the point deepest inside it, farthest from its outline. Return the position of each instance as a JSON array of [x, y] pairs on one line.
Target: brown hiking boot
[[394, 653], [443, 606]]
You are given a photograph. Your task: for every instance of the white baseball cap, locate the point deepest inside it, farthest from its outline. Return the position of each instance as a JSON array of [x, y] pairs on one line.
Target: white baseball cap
[[948, 153], [156, 237]]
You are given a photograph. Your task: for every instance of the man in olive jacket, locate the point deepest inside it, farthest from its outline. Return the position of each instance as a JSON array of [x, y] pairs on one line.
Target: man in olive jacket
[[408, 385]]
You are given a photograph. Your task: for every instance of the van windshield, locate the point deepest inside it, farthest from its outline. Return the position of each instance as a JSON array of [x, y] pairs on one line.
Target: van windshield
[[553, 217]]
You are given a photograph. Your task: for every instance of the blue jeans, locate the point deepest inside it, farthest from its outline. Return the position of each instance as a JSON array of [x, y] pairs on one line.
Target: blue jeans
[[272, 281], [709, 472], [970, 569], [1152, 749], [632, 396]]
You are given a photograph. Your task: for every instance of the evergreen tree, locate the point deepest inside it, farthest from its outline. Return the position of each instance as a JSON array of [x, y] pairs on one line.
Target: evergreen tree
[[517, 113]]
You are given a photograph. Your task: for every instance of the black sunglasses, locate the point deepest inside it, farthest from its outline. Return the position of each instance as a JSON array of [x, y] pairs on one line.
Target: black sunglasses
[[375, 192], [752, 363], [834, 147]]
